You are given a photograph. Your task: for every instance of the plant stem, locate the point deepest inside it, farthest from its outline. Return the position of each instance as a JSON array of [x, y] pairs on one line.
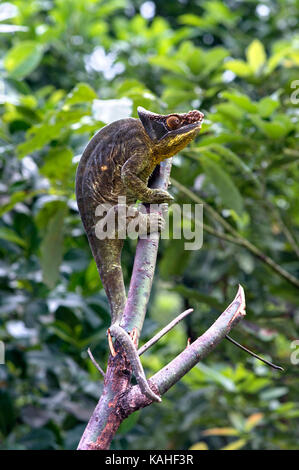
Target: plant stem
[[163, 332], [237, 238]]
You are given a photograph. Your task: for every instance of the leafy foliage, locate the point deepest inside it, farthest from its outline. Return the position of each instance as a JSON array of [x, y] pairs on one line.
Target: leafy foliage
[[67, 66]]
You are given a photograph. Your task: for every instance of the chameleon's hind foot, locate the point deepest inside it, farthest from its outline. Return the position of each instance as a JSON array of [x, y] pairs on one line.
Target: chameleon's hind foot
[[145, 224], [157, 196]]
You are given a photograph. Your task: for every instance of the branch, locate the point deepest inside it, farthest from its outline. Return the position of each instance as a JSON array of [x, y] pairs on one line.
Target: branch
[[95, 362], [107, 415], [178, 367], [274, 366], [163, 332], [144, 266], [289, 236], [237, 238], [284, 228], [214, 214], [163, 380]]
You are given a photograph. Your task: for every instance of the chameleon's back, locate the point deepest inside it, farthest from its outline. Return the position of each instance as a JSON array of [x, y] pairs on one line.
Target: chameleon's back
[[98, 178]]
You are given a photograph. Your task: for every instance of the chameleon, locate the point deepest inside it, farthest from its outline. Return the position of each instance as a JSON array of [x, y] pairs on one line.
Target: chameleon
[[118, 162]]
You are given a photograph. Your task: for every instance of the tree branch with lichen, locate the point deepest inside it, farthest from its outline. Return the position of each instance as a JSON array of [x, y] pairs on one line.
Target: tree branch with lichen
[[119, 398]]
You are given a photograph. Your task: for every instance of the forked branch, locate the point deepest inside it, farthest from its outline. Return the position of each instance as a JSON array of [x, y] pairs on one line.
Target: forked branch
[[119, 398]]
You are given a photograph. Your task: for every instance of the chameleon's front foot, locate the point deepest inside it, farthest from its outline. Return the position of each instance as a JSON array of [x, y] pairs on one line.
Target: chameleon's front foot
[[157, 196]]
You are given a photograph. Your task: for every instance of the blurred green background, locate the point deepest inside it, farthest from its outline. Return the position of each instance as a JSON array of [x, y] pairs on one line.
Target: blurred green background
[[67, 68]]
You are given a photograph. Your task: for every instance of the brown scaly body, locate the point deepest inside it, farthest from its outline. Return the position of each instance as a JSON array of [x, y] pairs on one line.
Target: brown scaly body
[[118, 161]]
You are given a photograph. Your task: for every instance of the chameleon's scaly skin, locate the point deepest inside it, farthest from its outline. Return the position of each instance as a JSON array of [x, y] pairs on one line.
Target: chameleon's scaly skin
[[98, 181], [118, 161]]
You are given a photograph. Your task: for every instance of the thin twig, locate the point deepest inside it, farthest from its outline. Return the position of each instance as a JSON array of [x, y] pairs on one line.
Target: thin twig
[[284, 228], [169, 375], [292, 241], [237, 239], [95, 362], [253, 354], [214, 214], [163, 332]]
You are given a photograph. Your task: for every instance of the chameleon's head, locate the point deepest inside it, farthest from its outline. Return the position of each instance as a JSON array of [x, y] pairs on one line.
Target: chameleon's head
[[170, 133]]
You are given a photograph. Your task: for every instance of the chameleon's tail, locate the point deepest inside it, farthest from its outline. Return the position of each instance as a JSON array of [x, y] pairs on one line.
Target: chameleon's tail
[[107, 255]]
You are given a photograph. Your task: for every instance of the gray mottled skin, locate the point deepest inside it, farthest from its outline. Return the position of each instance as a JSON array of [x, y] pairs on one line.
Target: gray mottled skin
[[118, 161]]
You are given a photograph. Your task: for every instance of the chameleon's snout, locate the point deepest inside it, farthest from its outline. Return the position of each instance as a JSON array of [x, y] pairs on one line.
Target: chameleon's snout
[[193, 117]]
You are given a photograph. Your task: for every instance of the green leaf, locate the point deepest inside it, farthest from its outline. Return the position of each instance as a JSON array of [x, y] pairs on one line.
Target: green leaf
[[65, 337], [229, 193], [52, 248], [239, 67], [273, 130], [230, 110], [192, 294], [43, 134], [274, 393], [17, 197], [241, 100], [213, 58], [80, 94], [267, 106], [11, 236], [173, 96], [282, 163], [235, 445], [23, 58], [276, 59], [223, 138], [175, 259], [256, 55], [232, 157], [215, 376], [129, 423], [169, 63], [58, 165], [192, 20]]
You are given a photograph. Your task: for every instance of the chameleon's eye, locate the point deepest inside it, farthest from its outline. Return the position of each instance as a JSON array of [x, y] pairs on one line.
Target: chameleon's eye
[[173, 122]]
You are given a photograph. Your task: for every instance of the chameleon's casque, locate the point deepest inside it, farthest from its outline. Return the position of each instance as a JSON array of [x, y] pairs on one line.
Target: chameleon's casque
[[118, 161]]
